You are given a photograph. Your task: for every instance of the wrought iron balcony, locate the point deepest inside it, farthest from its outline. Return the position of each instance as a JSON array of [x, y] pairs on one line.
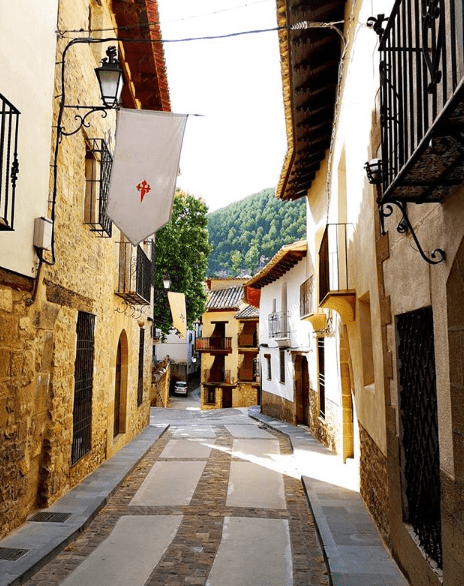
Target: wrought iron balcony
[[334, 279], [134, 282], [9, 165], [422, 100], [278, 325], [218, 376], [216, 345]]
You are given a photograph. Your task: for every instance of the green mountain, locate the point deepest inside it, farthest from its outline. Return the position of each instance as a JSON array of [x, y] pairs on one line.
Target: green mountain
[[247, 233]]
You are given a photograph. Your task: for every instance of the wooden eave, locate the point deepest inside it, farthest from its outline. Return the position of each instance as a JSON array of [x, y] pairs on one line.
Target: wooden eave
[[146, 84], [287, 257], [310, 64]]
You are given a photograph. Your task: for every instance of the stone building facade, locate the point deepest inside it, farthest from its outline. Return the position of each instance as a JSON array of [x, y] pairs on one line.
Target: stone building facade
[[224, 367], [75, 342], [381, 170]]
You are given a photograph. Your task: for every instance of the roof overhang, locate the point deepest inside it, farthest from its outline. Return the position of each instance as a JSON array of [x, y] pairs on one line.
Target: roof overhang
[[287, 257], [310, 59], [144, 65]]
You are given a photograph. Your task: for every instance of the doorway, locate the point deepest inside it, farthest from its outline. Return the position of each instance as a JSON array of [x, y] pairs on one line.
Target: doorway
[[226, 398]]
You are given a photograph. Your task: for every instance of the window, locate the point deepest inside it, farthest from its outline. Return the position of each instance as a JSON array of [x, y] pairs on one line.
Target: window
[[269, 368], [282, 365], [419, 416], [321, 369], [83, 384], [211, 396], [9, 165], [366, 340], [98, 163], [134, 280], [141, 360]]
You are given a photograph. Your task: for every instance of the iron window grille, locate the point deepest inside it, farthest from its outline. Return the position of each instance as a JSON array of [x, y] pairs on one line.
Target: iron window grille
[[278, 324], [98, 163], [83, 384], [418, 401], [134, 279], [307, 301], [9, 163], [140, 369], [282, 365], [421, 73], [321, 375], [333, 260]]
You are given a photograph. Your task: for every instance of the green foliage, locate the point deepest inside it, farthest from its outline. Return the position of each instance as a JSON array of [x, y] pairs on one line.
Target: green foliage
[[181, 252], [244, 232]]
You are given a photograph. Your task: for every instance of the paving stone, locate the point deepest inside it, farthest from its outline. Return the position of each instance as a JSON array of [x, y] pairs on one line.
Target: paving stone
[[190, 555]]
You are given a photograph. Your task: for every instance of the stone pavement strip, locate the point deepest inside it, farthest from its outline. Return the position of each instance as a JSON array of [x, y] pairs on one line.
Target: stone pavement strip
[[277, 545], [353, 549], [37, 542]]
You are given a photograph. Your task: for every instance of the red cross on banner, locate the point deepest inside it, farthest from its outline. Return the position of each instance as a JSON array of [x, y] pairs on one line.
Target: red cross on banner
[[144, 188], [146, 160]]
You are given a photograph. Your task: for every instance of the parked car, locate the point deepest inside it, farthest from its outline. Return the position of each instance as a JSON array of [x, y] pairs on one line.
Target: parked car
[[180, 388]]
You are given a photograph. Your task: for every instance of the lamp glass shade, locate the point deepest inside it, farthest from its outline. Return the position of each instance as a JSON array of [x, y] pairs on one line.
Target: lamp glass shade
[[111, 81], [166, 282]]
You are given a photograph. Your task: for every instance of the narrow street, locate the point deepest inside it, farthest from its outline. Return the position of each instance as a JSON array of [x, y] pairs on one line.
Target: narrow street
[[214, 502]]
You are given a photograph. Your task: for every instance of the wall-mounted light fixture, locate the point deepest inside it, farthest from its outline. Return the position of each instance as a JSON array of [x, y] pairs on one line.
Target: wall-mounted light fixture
[[110, 78], [374, 171], [166, 281]]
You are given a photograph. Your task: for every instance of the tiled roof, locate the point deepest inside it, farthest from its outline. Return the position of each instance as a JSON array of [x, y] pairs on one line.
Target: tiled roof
[[230, 298], [287, 257], [248, 312]]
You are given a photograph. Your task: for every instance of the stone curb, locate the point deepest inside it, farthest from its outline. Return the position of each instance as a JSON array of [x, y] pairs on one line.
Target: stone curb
[[44, 540], [353, 550]]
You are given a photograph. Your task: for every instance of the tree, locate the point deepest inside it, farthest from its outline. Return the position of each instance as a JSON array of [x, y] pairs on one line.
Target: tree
[[252, 258], [236, 258], [181, 253]]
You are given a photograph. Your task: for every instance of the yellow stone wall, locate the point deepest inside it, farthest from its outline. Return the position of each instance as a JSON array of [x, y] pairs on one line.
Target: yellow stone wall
[[38, 341]]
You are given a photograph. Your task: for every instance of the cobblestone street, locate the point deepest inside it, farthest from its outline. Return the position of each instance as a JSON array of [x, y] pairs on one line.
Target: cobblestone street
[[188, 514]]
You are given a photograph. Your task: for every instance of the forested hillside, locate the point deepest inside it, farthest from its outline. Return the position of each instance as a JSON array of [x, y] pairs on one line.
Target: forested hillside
[[247, 233]]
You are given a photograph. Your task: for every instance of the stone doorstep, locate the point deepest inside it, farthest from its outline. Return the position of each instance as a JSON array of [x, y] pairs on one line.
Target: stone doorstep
[[347, 564], [43, 541]]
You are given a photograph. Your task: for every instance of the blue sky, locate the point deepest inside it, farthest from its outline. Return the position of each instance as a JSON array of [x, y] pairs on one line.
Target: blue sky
[[237, 147]]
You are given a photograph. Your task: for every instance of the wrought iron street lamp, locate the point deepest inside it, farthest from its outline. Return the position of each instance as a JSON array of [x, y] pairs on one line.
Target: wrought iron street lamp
[[110, 78]]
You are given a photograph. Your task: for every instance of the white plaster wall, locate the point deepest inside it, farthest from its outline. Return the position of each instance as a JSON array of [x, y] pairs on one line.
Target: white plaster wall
[[348, 198], [179, 350], [27, 69], [300, 331]]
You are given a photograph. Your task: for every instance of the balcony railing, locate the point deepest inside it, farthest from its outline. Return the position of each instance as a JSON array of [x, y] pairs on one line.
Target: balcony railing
[[335, 290], [9, 165], [214, 344], [307, 297], [278, 324], [333, 260], [422, 68], [134, 281], [218, 376]]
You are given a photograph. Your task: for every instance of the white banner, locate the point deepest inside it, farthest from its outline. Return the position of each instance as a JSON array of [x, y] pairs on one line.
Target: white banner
[[145, 169]]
